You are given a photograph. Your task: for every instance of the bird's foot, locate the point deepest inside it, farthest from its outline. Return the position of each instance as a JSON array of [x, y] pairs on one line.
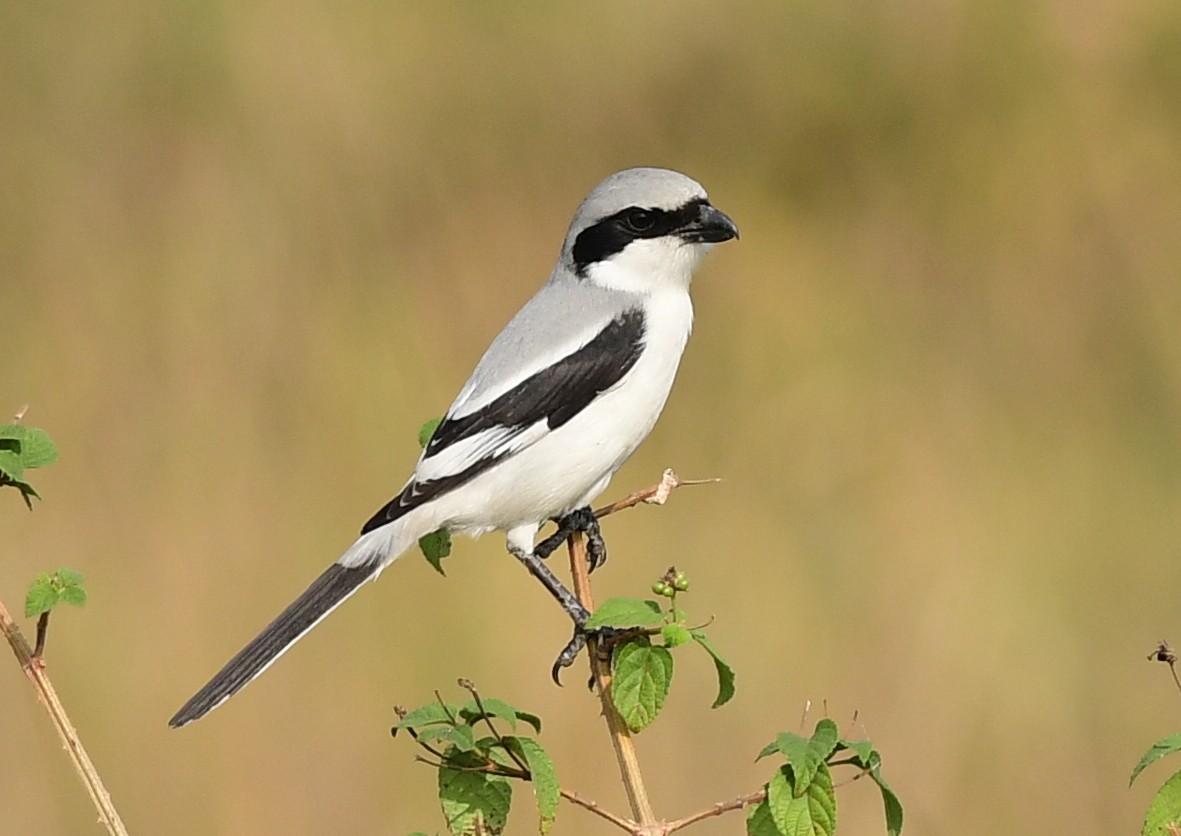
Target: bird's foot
[[607, 639], [579, 520]]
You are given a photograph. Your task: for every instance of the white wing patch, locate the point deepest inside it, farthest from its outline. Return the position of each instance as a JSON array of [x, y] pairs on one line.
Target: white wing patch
[[464, 453]]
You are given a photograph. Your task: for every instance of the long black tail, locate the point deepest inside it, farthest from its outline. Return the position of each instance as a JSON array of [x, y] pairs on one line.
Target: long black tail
[[322, 597]]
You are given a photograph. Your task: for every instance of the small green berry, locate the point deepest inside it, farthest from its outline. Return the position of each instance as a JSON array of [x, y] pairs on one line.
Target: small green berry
[[660, 588], [681, 583]]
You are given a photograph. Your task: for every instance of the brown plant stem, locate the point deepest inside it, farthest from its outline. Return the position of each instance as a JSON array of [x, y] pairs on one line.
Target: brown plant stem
[[593, 806], [621, 739], [716, 810], [644, 822], [34, 669]]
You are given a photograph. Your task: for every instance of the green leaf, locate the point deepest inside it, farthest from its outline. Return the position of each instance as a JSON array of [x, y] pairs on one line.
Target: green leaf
[[642, 675], [458, 738], [675, 635], [544, 778], [427, 430], [492, 708], [625, 612], [473, 802], [432, 734], [531, 719], [11, 464], [793, 747], [436, 546], [822, 743], [862, 750], [428, 715], [37, 448], [869, 759], [69, 584], [889, 800], [770, 749], [759, 821], [497, 753], [780, 797], [70, 577], [499, 708], [802, 811], [1165, 810], [464, 738], [805, 756], [42, 596], [75, 596], [725, 672], [1159, 749], [34, 447]]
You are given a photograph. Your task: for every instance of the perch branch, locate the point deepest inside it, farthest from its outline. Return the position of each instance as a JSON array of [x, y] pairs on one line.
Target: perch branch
[[621, 739]]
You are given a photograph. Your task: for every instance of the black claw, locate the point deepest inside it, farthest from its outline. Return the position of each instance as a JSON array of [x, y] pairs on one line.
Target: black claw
[[568, 655], [607, 637], [596, 549]]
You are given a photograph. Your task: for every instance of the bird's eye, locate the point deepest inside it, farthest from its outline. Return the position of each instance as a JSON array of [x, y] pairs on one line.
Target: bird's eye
[[639, 220]]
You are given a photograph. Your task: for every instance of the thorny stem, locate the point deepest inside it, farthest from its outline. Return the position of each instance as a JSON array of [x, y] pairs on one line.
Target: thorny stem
[[34, 669]]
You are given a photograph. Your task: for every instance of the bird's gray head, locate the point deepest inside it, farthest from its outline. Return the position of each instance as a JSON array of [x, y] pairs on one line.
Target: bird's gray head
[[642, 229]]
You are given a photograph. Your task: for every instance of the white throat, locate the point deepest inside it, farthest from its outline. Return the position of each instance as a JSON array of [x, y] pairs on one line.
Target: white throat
[[649, 266]]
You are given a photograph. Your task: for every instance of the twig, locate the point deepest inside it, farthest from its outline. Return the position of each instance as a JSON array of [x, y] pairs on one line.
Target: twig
[[655, 495], [621, 739], [716, 810], [35, 669], [593, 806]]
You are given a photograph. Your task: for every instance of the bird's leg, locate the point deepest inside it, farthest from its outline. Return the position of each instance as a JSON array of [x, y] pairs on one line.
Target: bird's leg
[[550, 581], [580, 519], [577, 612]]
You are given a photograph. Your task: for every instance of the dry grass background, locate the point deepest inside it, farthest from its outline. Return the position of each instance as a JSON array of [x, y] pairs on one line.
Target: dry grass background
[[245, 249]]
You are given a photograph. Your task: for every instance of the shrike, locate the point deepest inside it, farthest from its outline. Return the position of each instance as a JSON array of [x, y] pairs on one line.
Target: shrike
[[565, 393]]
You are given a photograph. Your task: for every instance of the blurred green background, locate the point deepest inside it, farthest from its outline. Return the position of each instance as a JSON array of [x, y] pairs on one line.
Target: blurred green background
[[246, 249]]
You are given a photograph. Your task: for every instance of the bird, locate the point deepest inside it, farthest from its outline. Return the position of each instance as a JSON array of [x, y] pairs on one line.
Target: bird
[[564, 394]]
